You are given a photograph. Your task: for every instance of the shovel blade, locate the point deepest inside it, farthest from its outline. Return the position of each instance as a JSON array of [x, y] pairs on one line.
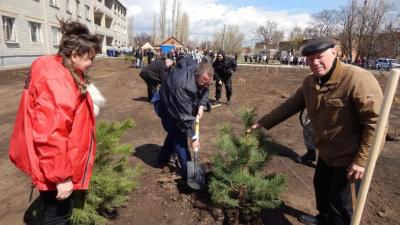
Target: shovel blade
[[195, 176]]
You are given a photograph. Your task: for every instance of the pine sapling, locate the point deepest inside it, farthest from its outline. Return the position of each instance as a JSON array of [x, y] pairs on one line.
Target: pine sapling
[[238, 182], [113, 178]]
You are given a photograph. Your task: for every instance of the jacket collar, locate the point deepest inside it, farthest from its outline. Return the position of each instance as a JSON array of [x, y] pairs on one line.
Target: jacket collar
[[333, 82]]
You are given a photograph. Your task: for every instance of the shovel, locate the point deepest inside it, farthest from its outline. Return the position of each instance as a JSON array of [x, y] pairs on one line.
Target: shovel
[[195, 174]]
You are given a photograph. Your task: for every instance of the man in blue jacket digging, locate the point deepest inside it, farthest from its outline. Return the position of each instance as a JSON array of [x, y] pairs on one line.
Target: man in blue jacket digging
[[183, 96]]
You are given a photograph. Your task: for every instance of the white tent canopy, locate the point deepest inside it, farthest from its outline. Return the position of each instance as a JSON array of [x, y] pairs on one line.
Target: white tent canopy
[[147, 46]]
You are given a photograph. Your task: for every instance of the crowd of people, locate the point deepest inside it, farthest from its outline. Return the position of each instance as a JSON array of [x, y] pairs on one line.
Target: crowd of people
[[54, 139]]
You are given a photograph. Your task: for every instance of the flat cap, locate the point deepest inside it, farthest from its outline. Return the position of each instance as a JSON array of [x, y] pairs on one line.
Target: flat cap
[[317, 45]]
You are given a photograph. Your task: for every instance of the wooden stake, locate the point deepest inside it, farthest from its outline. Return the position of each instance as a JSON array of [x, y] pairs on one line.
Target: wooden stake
[[377, 144]]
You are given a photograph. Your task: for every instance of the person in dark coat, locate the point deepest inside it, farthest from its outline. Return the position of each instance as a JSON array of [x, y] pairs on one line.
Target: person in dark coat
[[139, 57], [154, 75], [182, 97], [224, 68], [150, 56]]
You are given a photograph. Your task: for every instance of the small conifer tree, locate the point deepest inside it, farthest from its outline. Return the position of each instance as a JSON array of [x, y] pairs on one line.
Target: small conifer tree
[[113, 179], [238, 182]]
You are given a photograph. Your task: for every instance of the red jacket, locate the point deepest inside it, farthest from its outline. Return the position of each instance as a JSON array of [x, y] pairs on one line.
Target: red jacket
[[54, 132]]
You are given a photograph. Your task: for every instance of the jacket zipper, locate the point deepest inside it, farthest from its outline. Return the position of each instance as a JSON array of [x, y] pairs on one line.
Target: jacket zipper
[[88, 159]]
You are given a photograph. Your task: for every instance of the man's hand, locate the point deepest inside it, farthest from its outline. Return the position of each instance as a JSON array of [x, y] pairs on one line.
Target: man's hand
[[64, 189], [355, 172], [195, 144], [253, 127], [201, 111]]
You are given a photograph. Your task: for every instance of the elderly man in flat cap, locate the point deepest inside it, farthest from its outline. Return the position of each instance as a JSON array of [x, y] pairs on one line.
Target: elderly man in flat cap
[[343, 103]]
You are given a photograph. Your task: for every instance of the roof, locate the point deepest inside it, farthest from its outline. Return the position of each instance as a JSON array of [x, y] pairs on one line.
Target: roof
[[147, 46], [172, 41]]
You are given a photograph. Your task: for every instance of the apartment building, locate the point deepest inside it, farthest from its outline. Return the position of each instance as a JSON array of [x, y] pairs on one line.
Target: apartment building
[[30, 27]]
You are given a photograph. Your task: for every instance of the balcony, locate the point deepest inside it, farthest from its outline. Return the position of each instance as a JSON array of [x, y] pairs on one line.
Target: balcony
[[109, 4], [108, 21], [98, 18]]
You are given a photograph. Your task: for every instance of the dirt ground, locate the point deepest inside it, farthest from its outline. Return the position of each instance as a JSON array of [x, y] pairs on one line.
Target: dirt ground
[[159, 199]]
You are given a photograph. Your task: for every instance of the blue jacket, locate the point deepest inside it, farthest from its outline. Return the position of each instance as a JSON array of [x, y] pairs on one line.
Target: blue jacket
[[181, 97]]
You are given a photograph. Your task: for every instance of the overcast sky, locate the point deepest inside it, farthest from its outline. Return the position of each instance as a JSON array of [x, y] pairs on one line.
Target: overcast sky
[[208, 16]]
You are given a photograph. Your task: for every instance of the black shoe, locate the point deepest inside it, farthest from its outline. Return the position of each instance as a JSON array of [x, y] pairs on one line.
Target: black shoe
[[392, 137], [308, 219], [310, 156], [216, 103]]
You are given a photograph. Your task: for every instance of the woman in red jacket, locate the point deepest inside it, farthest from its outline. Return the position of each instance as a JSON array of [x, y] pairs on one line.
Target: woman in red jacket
[[54, 134]]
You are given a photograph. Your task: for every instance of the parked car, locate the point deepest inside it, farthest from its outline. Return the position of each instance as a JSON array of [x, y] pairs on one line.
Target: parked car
[[386, 64]]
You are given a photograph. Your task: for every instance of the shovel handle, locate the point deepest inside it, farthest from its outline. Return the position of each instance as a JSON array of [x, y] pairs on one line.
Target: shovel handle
[[197, 127]]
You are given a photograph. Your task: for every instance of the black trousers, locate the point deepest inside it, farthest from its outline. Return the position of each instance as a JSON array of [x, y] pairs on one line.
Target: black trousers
[[228, 88], [333, 194], [56, 212]]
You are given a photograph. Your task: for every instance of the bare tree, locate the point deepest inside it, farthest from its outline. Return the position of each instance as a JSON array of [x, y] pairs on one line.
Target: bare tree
[[154, 34], [390, 47], [142, 38], [184, 28], [376, 11], [324, 23], [131, 31], [232, 41], [277, 37], [178, 19], [362, 21], [173, 18], [348, 18], [267, 31], [163, 18], [296, 38], [205, 45]]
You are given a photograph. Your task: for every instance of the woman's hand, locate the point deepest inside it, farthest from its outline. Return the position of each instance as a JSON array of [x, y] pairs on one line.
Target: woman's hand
[[64, 189]]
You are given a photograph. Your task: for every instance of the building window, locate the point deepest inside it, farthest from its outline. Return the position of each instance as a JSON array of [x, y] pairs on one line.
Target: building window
[[53, 2], [68, 5], [77, 8], [56, 34], [87, 12], [9, 28], [35, 32]]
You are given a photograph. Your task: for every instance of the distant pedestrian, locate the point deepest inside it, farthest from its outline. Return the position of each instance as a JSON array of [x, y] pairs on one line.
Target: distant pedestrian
[[150, 56], [139, 58], [224, 68]]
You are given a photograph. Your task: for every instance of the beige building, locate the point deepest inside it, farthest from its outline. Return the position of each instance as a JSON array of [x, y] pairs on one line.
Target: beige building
[[30, 28]]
